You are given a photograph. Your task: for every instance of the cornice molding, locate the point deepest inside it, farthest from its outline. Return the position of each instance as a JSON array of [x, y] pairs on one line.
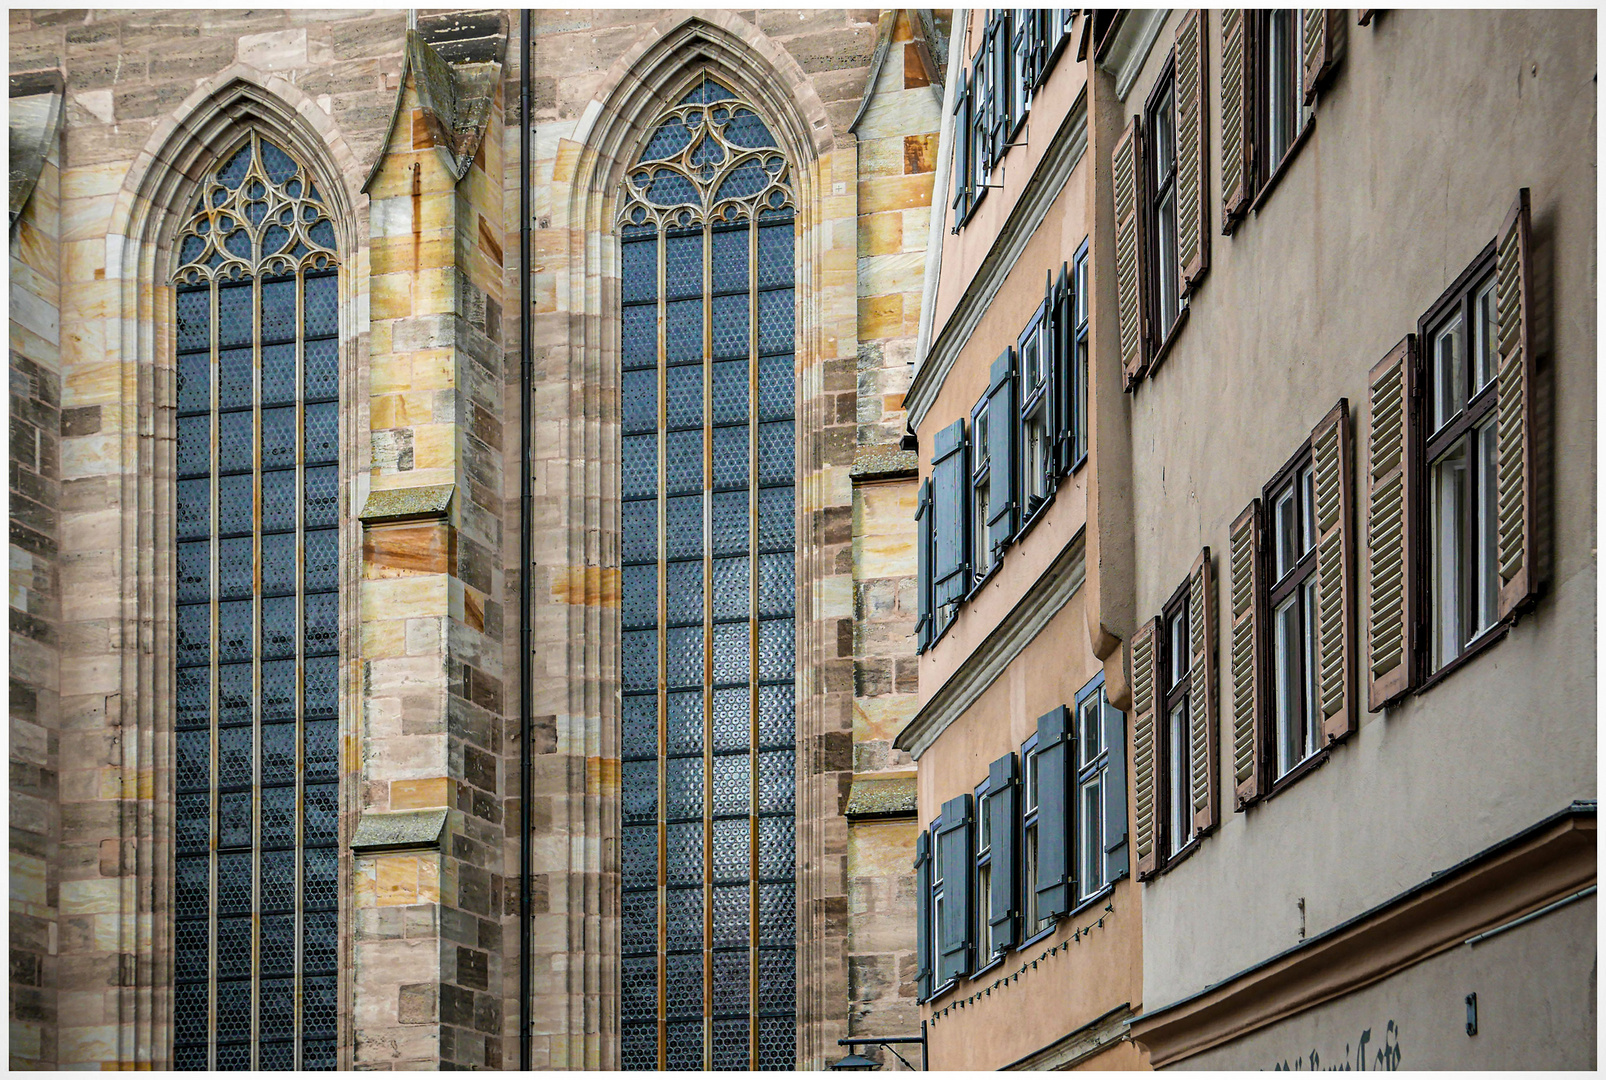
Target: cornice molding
[[1050, 592], [1053, 170], [1079, 1045], [1134, 38], [1517, 876]]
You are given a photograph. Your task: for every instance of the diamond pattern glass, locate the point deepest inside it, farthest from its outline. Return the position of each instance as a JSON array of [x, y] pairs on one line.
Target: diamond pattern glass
[[688, 292]]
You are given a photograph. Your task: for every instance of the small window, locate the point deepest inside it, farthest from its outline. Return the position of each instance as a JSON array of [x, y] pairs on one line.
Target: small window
[[1291, 553], [1036, 443], [1462, 584], [980, 482], [1031, 923], [1176, 757], [937, 893], [1092, 769], [1022, 73], [1079, 363], [984, 877], [1281, 89], [1161, 155]]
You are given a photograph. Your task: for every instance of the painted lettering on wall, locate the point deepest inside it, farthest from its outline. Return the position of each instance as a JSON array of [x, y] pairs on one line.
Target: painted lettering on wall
[[1365, 1054]]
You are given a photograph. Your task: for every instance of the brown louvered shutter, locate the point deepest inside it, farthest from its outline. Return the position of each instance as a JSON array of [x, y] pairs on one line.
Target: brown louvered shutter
[[1331, 470], [1202, 725], [1248, 668], [1193, 229], [1390, 530], [1237, 127], [1324, 36], [1127, 161], [1515, 547], [1145, 777]]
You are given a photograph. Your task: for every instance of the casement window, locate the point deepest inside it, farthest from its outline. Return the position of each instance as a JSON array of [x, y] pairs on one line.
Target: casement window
[[983, 930], [951, 906], [1033, 922], [1174, 748], [981, 548], [1034, 347], [1451, 515], [998, 899], [1099, 805], [1025, 55], [1075, 320], [1291, 593], [1162, 247], [1272, 64], [964, 180]]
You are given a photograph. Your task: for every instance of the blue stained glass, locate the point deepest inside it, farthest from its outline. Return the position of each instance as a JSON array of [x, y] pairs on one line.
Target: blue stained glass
[[234, 170], [234, 437], [638, 925], [194, 633], [323, 299], [706, 90], [638, 395], [731, 719], [668, 141], [731, 468], [322, 809], [318, 1006], [639, 595], [322, 630], [777, 784], [275, 1056], [639, 270], [685, 730], [733, 786], [775, 453], [194, 508], [639, 792], [238, 244], [234, 315], [323, 233], [194, 330], [194, 445], [192, 878], [234, 504], [233, 939], [194, 572], [322, 433], [706, 152], [278, 437], [775, 649], [683, 979], [777, 993], [730, 524], [639, 335], [274, 237], [746, 179], [235, 1057], [318, 872], [191, 939], [234, 757], [683, 526], [190, 1011], [278, 563], [194, 382], [683, 462], [322, 499], [639, 720], [776, 521], [683, 593], [683, 655], [638, 660], [777, 840], [640, 862], [319, 939], [279, 690], [730, 1035], [276, 163], [194, 694], [730, 324], [255, 212], [639, 526], [683, 396], [322, 553], [777, 914], [234, 883], [777, 583], [775, 311], [730, 588], [731, 653], [234, 378], [639, 465], [683, 339], [279, 309], [746, 129], [234, 694], [278, 627], [684, 857], [322, 360], [639, 1042], [684, 1042], [278, 753], [278, 817], [730, 845], [194, 760], [775, 387], [234, 631], [234, 819], [730, 390], [321, 686], [321, 750], [638, 989], [729, 259], [670, 188]]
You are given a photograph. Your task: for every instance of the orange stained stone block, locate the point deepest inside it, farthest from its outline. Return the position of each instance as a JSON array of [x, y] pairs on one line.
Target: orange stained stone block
[[881, 317], [592, 585], [388, 411], [429, 880], [914, 71], [488, 240], [894, 193], [473, 609], [880, 234], [425, 547], [397, 880], [390, 296], [891, 402], [602, 775], [434, 791], [920, 154], [423, 136]]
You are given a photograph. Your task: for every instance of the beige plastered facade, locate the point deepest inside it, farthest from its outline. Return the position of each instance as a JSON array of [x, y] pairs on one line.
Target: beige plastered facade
[[427, 215]]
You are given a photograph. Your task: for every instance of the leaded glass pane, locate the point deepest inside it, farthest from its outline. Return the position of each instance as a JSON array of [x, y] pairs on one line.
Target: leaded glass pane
[[257, 316], [708, 203]]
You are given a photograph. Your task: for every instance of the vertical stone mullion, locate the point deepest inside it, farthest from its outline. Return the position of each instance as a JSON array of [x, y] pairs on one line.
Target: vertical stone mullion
[[708, 643], [213, 676], [660, 255], [256, 648], [299, 900], [752, 648]]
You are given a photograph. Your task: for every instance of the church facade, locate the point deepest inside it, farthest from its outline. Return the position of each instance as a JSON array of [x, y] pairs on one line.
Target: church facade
[[462, 545]]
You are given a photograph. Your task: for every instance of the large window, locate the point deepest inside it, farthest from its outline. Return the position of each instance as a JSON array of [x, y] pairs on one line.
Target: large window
[[1161, 158], [1281, 97], [708, 550], [258, 620], [1463, 589], [1035, 349], [984, 876], [1295, 712], [1176, 756], [1097, 787], [980, 483]]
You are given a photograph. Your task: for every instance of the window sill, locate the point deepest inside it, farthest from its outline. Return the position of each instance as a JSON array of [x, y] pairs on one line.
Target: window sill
[[1082, 905], [1170, 339], [997, 960], [1039, 936], [1037, 515], [1180, 857], [1479, 644], [1282, 167], [943, 989], [1298, 772], [975, 589]]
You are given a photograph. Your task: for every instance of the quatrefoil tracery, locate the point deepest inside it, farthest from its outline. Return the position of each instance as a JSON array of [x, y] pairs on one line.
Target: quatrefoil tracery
[[257, 214]]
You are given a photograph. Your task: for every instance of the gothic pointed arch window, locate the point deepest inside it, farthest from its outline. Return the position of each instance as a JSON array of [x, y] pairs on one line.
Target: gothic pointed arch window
[[254, 903], [709, 933]]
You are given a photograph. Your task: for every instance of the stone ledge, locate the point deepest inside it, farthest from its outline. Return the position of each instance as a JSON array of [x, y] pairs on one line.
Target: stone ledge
[[407, 504], [869, 798], [398, 830], [884, 463]]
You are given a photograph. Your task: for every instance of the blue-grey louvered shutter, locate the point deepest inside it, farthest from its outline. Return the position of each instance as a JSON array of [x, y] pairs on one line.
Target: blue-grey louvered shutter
[[923, 538], [949, 470], [1115, 847], [923, 911], [953, 837], [1003, 435], [1003, 828], [963, 148], [1054, 744]]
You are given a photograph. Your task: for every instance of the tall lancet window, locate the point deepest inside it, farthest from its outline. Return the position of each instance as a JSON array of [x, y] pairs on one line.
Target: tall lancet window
[[258, 480], [709, 924]]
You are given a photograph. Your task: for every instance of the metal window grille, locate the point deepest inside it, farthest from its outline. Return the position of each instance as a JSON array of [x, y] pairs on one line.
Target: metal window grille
[[258, 616], [707, 238]]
